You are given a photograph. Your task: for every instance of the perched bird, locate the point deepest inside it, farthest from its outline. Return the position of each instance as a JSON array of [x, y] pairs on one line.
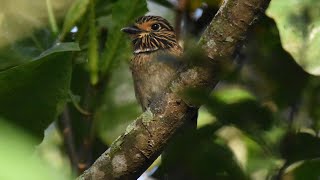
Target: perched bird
[[152, 36]]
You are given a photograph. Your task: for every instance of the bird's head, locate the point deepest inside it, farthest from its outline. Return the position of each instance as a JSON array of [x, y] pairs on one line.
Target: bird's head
[[151, 33]]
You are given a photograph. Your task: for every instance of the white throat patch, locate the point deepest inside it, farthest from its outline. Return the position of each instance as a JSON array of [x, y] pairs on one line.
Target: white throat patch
[[145, 50]]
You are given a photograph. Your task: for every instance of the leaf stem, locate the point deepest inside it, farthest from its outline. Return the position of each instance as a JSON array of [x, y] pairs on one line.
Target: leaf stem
[[77, 106], [52, 19]]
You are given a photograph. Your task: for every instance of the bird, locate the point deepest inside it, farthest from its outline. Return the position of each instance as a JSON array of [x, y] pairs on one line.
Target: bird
[[152, 37]]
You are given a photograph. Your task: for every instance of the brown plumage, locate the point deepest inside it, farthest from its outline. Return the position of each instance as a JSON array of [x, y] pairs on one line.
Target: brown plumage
[[152, 36]]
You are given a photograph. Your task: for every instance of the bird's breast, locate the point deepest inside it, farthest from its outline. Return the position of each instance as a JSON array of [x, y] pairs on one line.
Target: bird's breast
[[151, 75]]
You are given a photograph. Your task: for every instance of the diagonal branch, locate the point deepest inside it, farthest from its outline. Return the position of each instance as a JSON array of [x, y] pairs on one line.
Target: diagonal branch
[[144, 139]]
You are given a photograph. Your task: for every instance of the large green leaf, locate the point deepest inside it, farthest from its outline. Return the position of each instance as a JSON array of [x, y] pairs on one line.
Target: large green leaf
[[299, 25], [124, 12], [32, 94]]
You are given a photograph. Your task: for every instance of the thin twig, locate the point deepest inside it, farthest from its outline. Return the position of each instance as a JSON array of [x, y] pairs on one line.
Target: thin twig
[[180, 10], [67, 131], [77, 105]]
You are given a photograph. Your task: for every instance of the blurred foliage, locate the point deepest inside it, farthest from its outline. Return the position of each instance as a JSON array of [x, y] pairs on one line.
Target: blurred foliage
[[76, 11], [262, 120], [304, 170], [301, 20], [17, 156], [192, 150]]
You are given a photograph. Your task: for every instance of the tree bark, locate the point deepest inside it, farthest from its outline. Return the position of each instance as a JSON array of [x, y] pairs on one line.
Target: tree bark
[[144, 139]]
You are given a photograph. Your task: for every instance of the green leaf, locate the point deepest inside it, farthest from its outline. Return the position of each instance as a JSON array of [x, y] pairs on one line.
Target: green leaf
[[33, 94], [233, 95], [124, 12], [26, 49], [304, 170], [76, 11], [17, 149], [299, 25], [60, 47]]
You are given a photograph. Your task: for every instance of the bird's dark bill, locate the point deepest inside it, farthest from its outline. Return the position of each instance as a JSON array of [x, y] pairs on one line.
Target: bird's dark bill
[[131, 30]]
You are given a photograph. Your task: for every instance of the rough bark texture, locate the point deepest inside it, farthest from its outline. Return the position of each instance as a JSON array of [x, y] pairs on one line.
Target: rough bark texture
[[143, 141]]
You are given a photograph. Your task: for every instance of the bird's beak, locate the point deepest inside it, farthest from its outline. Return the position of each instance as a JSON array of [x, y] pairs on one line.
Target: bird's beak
[[131, 30]]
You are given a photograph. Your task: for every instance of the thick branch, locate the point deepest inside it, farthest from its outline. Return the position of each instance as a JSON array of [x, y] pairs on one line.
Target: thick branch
[[133, 152]]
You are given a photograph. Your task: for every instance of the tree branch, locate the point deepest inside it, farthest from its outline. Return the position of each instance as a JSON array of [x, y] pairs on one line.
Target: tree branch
[[144, 139]]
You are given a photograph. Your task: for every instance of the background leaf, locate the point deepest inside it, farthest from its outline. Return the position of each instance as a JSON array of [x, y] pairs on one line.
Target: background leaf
[[33, 94], [300, 146], [299, 26], [17, 149]]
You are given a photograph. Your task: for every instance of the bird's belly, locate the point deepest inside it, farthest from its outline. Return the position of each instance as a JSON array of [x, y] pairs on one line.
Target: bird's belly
[[152, 81]]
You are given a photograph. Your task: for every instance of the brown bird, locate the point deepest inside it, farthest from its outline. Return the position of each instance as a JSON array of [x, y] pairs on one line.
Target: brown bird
[[152, 36]]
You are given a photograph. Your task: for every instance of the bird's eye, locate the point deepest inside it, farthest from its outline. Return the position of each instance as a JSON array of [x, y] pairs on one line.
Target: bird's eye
[[155, 27]]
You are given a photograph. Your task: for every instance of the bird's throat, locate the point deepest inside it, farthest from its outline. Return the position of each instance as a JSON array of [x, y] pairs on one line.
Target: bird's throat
[[145, 50]]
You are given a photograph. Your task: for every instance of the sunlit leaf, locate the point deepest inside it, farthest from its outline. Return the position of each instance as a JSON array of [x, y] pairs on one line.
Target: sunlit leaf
[[233, 95], [299, 25], [32, 94]]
